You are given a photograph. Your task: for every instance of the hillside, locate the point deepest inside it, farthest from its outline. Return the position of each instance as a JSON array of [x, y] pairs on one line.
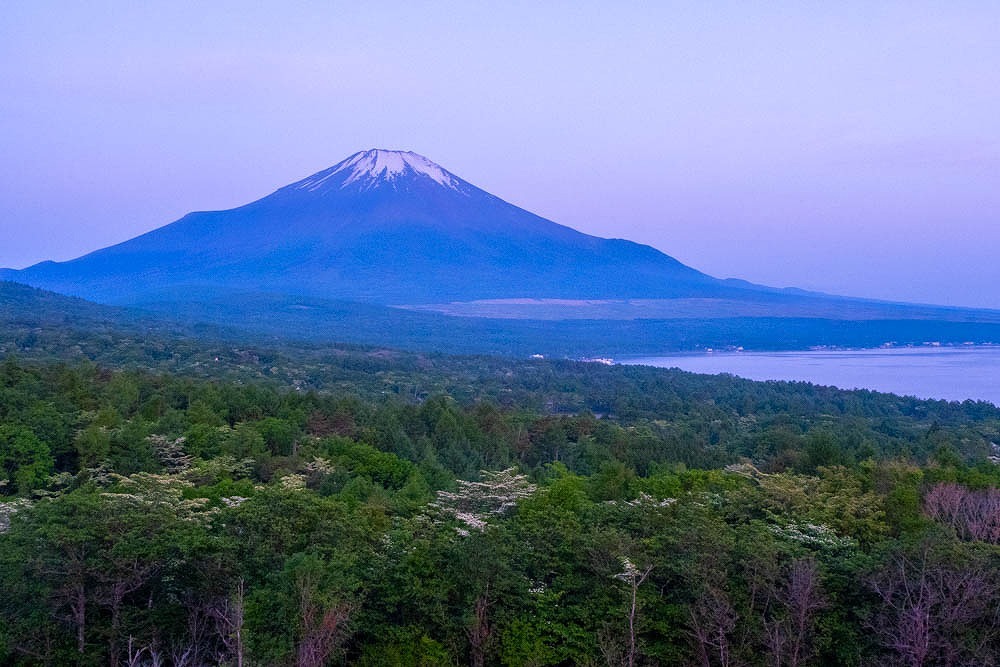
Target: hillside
[[39, 319]]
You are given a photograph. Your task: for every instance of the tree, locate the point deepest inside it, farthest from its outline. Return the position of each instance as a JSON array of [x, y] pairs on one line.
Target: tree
[[94, 555], [633, 577], [712, 621], [973, 515], [936, 608], [799, 597], [323, 614], [301, 616], [476, 502], [228, 614], [24, 459]]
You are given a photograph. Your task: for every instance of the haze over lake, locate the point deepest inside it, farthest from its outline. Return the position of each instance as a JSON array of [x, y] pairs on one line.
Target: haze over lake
[[951, 373]]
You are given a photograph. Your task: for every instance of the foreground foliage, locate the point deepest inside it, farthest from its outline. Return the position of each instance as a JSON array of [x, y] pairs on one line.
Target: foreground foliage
[[169, 520]]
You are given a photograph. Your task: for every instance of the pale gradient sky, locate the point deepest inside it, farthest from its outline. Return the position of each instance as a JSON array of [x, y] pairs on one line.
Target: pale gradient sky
[[849, 147]]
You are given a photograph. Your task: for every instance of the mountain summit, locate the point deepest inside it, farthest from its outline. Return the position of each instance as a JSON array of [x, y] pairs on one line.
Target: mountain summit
[[377, 167], [383, 226]]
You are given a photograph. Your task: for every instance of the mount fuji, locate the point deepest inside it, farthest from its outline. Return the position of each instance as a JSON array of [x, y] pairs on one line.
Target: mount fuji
[[391, 228], [381, 226]]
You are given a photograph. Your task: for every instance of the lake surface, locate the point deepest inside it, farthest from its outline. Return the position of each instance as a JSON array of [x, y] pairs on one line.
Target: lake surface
[[952, 373]]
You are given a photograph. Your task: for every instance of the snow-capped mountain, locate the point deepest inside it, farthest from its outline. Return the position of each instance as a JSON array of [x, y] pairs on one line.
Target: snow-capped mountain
[[370, 169], [383, 226], [323, 257]]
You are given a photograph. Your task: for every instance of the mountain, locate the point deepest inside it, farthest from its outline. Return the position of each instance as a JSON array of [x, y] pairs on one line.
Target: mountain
[[382, 226], [390, 248]]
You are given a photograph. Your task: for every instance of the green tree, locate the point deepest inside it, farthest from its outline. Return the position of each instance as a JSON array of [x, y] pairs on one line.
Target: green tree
[[25, 461]]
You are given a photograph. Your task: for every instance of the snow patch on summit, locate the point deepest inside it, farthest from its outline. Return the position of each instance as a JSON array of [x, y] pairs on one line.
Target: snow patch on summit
[[369, 168]]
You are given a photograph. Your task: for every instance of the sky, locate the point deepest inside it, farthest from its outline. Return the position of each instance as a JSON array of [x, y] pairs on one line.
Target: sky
[[849, 147]]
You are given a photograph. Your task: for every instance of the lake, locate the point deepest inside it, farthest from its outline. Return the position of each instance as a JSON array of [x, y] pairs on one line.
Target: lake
[[952, 373]]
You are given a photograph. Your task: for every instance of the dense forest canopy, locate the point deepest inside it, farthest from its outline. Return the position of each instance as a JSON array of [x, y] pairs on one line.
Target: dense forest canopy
[[169, 498]]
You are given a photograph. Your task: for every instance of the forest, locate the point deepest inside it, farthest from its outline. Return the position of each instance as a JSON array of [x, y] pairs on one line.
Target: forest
[[187, 496], [398, 509]]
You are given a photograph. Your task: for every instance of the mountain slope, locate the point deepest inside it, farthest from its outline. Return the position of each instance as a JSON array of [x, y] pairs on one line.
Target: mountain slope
[[381, 226]]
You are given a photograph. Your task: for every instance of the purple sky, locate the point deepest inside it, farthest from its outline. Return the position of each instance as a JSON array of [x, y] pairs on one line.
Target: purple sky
[[847, 147]]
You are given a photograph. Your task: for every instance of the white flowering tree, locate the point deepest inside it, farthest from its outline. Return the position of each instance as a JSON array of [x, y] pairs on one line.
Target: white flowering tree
[[476, 502], [633, 577], [8, 509], [170, 453]]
